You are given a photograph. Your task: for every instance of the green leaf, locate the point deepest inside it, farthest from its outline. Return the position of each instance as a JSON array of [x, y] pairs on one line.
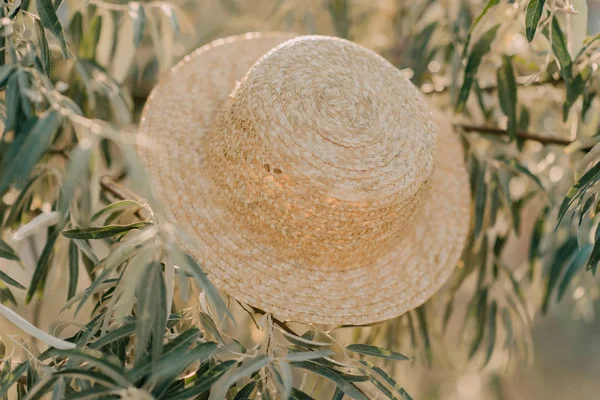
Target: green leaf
[[595, 256], [50, 21], [45, 55], [493, 312], [189, 264], [304, 342], [338, 394], [589, 179], [565, 253], [299, 395], [116, 207], [248, 368], [112, 336], [532, 17], [575, 266], [519, 168], [480, 200], [507, 93], [138, 15], [89, 42], [375, 351], [536, 240], [73, 269], [42, 267], [386, 377], [85, 374], [169, 12], [246, 391], [151, 311], [5, 73], [102, 362], [7, 279], [480, 49], [10, 379], [32, 150], [481, 321], [588, 99], [172, 364], [203, 383], [7, 252], [308, 355], [101, 232], [77, 171], [486, 8], [575, 89], [334, 376], [91, 394], [561, 51], [16, 7]]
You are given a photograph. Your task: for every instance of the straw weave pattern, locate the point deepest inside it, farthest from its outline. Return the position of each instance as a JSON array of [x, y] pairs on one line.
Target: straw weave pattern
[[314, 180]]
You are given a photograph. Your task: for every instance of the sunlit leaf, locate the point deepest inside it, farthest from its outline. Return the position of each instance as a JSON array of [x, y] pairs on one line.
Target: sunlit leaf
[[303, 342], [7, 252], [45, 55], [507, 93], [574, 267], [532, 17], [101, 232], [104, 363], [335, 376], [308, 355], [564, 253], [31, 150], [203, 383], [115, 207], [73, 270], [138, 15], [10, 379], [589, 179], [10, 281], [375, 351], [388, 379], [50, 21], [151, 313], [480, 49]]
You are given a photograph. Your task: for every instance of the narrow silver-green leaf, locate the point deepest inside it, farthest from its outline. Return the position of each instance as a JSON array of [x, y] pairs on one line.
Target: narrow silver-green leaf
[[532, 17], [308, 355], [334, 376], [507, 93], [10, 281], [574, 267], [480, 49], [588, 179], [101, 232], [73, 270], [375, 351], [138, 15], [7, 252], [43, 45], [50, 21], [115, 207], [32, 149]]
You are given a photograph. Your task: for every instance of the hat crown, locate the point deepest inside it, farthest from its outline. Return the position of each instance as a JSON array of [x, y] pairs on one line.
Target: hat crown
[[323, 146]]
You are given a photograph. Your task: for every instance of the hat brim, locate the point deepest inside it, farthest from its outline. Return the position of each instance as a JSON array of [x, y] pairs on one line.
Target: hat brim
[[183, 107]]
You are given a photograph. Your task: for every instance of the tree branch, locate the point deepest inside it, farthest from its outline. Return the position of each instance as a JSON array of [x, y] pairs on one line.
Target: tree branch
[[543, 139]]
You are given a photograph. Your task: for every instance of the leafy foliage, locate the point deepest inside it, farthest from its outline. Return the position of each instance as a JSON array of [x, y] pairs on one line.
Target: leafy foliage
[[68, 174]]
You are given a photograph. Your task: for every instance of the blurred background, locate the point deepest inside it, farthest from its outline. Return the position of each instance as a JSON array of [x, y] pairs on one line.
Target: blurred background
[[565, 361]]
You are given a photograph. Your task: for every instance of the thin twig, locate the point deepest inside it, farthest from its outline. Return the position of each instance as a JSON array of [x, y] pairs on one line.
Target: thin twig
[[543, 139]]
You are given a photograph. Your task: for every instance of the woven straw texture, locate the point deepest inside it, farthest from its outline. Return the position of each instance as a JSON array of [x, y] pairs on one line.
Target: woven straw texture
[[312, 174]]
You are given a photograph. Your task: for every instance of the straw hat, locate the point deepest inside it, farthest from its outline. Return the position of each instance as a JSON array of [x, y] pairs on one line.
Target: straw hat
[[312, 175]]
